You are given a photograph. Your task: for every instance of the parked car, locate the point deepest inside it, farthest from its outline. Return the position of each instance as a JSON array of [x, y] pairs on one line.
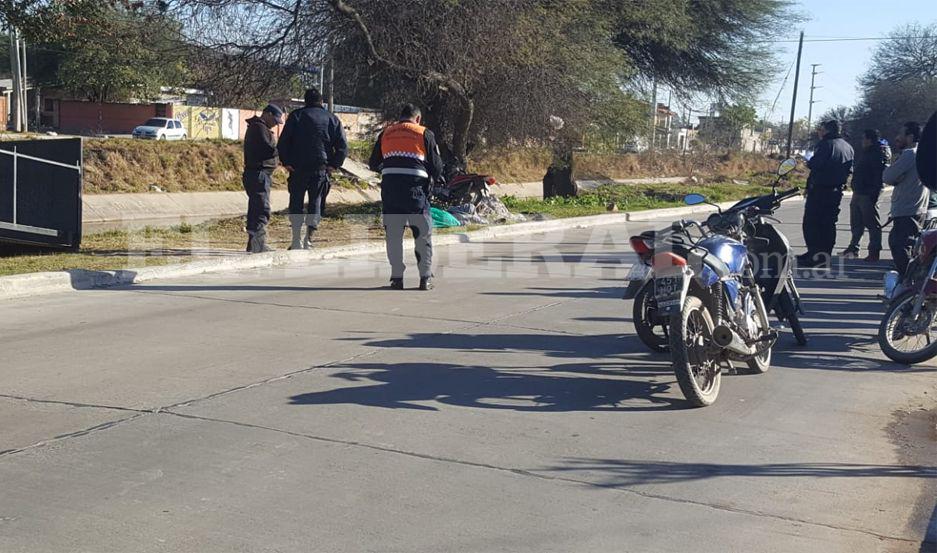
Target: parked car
[[161, 128]]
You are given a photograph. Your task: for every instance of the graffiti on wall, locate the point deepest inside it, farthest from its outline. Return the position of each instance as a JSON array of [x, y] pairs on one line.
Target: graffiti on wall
[[200, 122]]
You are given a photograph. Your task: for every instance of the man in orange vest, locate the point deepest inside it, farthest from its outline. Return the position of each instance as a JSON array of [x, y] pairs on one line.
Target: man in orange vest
[[408, 158]]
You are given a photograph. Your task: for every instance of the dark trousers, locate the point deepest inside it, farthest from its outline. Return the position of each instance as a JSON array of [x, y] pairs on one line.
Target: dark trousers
[[316, 185], [904, 231], [405, 205], [257, 186], [863, 215], [821, 213]]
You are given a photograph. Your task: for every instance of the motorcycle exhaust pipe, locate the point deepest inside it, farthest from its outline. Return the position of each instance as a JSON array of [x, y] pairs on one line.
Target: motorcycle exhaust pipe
[[725, 338]]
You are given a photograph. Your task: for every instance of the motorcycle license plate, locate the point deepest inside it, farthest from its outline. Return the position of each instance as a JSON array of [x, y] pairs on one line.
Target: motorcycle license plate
[[639, 271], [668, 291]]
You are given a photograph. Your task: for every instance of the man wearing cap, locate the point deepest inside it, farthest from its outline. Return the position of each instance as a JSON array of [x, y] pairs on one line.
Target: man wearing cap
[[312, 146], [830, 168], [260, 160]]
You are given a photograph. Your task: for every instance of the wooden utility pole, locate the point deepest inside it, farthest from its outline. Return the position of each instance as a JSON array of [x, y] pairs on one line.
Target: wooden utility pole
[[790, 127], [15, 68]]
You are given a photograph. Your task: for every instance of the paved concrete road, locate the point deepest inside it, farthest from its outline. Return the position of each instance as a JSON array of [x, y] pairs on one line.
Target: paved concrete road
[[512, 409]]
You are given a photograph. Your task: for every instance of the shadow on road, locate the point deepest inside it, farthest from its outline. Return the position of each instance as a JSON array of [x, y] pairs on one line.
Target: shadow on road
[[414, 385], [620, 473]]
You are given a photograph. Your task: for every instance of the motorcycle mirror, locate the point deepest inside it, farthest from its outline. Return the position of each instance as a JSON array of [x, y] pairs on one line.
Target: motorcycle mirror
[[694, 199], [786, 167]]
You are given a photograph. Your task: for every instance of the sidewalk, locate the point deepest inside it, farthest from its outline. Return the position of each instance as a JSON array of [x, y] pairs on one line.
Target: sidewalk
[[104, 211], [35, 284]]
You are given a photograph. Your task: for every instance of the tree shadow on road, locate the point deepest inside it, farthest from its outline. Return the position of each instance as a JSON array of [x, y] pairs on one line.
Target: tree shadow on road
[[419, 385], [621, 473]]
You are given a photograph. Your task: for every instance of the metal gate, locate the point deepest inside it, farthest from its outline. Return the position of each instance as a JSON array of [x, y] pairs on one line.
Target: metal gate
[[40, 192]]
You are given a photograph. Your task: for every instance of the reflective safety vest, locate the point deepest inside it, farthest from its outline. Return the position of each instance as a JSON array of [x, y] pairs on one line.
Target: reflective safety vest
[[403, 147]]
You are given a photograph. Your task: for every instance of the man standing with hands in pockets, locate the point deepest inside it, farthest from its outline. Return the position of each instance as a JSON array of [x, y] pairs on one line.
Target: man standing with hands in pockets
[[312, 146]]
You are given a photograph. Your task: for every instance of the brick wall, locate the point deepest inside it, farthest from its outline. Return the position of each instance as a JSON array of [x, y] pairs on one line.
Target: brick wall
[[90, 117]]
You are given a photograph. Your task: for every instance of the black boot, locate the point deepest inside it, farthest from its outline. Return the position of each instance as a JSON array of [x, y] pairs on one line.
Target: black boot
[[258, 242], [426, 283], [396, 283], [297, 228]]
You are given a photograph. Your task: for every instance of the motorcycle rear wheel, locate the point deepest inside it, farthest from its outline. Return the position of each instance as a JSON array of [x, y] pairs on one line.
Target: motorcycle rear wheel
[[697, 371], [643, 317], [889, 333]]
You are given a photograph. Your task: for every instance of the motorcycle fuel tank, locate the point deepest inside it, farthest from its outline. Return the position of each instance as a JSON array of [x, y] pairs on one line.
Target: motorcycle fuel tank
[[731, 252]]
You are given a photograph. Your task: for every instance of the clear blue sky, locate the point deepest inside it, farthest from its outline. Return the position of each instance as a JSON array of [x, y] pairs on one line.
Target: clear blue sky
[[842, 62]]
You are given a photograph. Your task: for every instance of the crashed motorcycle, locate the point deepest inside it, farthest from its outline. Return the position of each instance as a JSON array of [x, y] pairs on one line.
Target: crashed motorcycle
[[907, 334], [459, 187], [768, 247]]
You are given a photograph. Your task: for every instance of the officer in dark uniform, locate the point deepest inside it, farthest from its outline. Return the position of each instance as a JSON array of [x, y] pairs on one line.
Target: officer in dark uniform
[[408, 158], [312, 146], [260, 160], [830, 168]]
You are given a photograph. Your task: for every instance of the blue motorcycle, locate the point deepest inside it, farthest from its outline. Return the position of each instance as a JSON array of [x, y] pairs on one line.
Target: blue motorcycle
[[710, 293]]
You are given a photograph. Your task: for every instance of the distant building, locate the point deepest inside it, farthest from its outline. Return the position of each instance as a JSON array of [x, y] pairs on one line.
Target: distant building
[[716, 131]]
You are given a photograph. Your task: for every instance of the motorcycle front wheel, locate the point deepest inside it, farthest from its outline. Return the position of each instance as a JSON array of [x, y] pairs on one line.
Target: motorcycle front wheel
[[696, 369], [644, 312], [904, 340]]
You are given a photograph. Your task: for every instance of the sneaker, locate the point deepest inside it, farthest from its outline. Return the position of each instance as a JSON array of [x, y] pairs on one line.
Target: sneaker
[[307, 241], [872, 258], [396, 284], [850, 253], [426, 283]]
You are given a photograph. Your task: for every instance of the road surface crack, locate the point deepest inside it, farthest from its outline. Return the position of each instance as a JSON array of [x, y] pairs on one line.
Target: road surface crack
[[540, 476]]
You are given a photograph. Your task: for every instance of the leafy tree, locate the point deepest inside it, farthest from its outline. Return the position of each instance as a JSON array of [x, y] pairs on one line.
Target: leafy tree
[[100, 50], [901, 81]]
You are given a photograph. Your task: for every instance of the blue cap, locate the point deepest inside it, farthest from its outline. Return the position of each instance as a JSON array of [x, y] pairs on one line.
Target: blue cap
[[275, 111]]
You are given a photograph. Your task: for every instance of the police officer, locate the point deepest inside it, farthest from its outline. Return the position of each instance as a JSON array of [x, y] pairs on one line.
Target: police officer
[[830, 168], [408, 158], [312, 146], [260, 160]]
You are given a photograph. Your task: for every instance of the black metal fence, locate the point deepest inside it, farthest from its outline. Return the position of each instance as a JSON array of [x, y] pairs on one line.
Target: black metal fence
[[40, 192]]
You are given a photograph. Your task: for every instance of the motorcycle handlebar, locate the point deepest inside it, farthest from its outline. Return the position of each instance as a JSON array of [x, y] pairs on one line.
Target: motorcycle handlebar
[[788, 193]]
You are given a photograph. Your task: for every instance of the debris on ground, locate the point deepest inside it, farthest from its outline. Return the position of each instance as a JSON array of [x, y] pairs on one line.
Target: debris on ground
[[467, 215], [443, 219], [494, 210]]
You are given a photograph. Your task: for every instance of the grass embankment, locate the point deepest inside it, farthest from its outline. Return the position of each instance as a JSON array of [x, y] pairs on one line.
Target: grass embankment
[[124, 165], [344, 224]]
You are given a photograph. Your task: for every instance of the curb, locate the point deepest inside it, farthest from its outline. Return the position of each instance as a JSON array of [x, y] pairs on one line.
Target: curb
[[37, 284]]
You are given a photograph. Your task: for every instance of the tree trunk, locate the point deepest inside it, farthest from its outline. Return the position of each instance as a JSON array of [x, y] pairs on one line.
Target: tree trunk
[[559, 179], [462, 128]]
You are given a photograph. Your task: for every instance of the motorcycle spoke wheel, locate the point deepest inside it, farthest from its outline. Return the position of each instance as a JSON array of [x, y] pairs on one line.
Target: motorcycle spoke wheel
[[905, 339]]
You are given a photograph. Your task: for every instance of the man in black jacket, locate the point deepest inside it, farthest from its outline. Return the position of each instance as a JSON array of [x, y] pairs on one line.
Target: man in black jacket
[[312, 146], [260, 160], [866, 187], [830, 168]]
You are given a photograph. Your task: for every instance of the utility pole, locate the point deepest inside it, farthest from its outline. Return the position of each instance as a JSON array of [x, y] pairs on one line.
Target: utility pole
[[653, 134], [332, 85], [813, 78], [24, 109], [669, 116], [790, 128], [15, 67], [689, 127]]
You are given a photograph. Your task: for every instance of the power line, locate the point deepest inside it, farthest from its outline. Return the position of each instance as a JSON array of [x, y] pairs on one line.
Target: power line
[[845, 39]]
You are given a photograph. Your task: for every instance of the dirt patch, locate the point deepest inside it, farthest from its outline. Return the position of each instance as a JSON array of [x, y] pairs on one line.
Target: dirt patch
[[914, 436]]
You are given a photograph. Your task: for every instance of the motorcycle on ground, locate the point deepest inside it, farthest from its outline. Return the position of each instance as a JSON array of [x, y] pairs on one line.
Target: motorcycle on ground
[[460, 187], [907, 334], [766, 244]]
